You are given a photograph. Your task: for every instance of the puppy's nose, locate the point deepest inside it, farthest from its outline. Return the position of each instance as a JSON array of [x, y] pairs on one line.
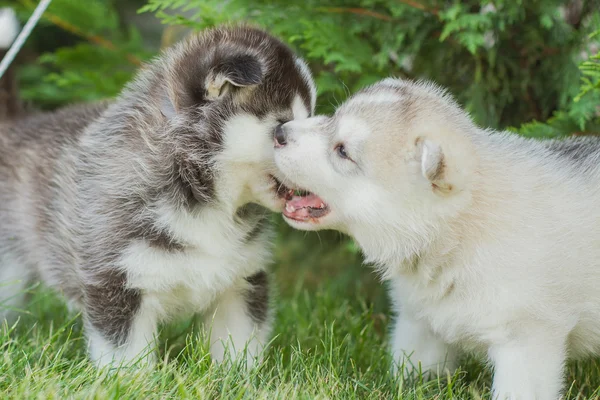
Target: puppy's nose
[[280, 136]]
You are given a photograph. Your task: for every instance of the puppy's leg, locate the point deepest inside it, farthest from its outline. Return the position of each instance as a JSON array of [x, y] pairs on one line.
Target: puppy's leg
[[120, 323], [14, 277], [416, 348], [240, 320], [529, 369]]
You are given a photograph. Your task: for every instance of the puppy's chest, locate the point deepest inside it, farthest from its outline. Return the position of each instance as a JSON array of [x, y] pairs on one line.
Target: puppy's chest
[[203, 264], [438, 300], [195, 279]]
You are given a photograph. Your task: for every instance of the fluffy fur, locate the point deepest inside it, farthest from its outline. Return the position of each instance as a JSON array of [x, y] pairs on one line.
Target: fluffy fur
[[490, 241], [155, 205]]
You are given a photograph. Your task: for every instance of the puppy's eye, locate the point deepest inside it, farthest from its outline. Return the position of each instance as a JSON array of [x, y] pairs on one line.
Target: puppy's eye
[[341, 150]]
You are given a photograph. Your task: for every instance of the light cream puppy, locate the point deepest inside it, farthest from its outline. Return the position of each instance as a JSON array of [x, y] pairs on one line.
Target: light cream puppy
[[490, 241]]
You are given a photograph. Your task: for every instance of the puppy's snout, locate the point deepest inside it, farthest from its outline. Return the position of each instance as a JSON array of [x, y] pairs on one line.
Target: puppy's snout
[[280, 136]]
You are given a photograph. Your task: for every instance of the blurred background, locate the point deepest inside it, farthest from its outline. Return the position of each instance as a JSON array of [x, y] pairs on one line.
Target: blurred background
[[527, 66]]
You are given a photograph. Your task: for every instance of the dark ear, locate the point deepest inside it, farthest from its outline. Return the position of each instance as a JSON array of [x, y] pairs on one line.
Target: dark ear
[[241, 71], [433, 164], [194, 83]]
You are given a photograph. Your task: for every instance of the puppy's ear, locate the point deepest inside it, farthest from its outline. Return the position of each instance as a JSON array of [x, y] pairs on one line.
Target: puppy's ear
[[193, 83], [241, 71], [433, 164]]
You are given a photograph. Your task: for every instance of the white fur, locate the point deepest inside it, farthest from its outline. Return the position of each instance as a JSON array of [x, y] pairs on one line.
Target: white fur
[[217, 258], [504, 262], [247, 139], [248, 153], [299, 109], [416, 348], [232, 332], [375, 98], [307, 75], [9, 27], [357, 128], [140, 345]]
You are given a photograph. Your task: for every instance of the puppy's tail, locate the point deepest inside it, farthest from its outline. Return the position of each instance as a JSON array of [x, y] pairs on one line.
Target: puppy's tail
[[10, 103]]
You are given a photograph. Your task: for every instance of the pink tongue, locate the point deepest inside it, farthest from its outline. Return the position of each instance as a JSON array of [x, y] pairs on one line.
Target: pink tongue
[[304, 207]]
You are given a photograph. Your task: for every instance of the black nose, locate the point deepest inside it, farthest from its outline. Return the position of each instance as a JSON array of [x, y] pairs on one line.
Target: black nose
[[280, 136]]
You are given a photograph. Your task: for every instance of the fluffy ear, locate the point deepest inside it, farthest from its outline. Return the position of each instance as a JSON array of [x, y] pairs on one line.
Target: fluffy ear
[[192, 83], [240, 71], [433, 164]]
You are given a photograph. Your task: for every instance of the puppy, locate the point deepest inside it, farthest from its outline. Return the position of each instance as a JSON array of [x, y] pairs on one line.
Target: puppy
[[490, 241], [155, 205]]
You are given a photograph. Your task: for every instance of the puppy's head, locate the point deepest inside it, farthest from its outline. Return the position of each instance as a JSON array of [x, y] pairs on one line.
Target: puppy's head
[[221, 94], [393, 160]]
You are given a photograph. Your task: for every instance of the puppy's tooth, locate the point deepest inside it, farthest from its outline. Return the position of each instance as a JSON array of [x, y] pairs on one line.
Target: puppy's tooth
[[289, 208]]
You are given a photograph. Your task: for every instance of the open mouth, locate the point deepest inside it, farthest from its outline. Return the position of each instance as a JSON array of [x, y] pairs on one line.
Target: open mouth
[[301, 205]]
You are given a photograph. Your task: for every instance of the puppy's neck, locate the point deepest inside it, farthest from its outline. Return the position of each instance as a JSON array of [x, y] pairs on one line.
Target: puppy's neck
[[410, 250], [459, 236], [439, 250]]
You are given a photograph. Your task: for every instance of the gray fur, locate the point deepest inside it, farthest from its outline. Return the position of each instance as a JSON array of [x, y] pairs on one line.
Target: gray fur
[[584, 151], [257, 217], [257, 297]]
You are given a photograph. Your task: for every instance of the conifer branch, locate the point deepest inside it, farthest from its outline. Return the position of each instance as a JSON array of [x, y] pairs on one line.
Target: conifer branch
[[357, 11]]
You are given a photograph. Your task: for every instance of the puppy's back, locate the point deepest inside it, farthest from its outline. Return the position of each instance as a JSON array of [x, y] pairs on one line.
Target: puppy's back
[[37, 173]]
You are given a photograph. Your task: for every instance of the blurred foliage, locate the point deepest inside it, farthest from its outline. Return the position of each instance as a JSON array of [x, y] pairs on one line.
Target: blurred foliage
[[582, 114], [531, 66], [87, 53], [508, 62]]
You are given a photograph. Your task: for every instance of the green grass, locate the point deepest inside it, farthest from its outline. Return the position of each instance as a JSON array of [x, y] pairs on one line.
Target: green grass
[[330, 342]]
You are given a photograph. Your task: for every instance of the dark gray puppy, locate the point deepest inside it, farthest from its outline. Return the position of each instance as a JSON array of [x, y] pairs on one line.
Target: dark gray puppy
[[155, 205]]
